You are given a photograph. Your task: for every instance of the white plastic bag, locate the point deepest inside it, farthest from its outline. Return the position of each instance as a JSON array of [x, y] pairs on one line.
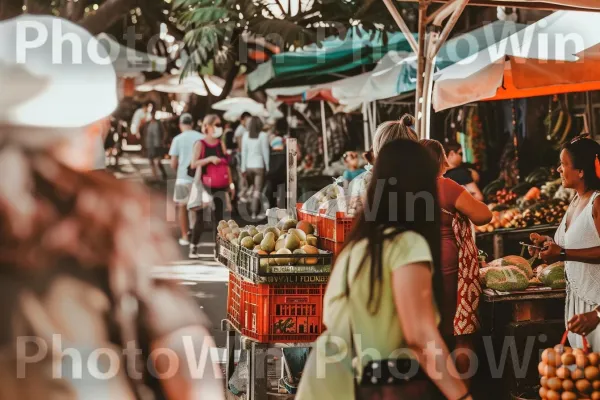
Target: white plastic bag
[[330, 192]]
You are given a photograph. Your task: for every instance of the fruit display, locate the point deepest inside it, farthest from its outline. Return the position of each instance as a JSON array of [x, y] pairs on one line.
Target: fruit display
[[516, 261], [504, 279], [530, 203], [289, 237], [554, 276], [569, 374], [514, 273]]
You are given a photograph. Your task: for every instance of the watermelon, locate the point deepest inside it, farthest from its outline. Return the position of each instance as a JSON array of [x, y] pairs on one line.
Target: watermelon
[[554, 276], [516, 261], [483, 273], [506, 279]]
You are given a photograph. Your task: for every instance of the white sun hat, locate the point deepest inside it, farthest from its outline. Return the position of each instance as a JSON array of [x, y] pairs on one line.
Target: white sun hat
[[53, 74]]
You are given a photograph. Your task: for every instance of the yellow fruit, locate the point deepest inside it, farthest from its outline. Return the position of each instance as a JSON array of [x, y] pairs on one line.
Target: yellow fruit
[[299, 233], [311, 250], [311, 240], [283, 261]]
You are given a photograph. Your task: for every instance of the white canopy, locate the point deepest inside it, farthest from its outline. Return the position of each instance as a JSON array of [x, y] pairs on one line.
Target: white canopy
[[190, 84], [128, 61], [561, 38], [234, 107]]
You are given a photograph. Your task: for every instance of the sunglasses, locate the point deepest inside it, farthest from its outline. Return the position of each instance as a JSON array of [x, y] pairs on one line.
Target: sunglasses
[[460, 153], [579, 137], [349, 155]]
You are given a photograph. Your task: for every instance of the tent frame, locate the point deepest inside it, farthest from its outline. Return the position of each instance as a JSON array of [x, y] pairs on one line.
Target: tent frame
[[433, 33]]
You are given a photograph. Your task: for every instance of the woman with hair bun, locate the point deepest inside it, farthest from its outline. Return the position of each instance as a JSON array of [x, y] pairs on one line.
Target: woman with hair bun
[[386, 132], [577, 240]]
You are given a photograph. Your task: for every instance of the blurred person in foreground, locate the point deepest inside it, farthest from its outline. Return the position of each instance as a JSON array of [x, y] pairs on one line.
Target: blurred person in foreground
[[76, 247], [460, 172], [577, 241], [380, 303], [182, 149], [460, 306]]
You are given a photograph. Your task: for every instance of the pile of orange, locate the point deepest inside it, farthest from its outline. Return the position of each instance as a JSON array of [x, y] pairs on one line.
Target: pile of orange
[[569, 374]]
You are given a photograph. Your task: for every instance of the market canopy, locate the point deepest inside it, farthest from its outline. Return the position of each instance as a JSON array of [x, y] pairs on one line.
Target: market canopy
[[536, 4], [127, 61], [557, 54], [396, 73], [318, 64], [190, 84]]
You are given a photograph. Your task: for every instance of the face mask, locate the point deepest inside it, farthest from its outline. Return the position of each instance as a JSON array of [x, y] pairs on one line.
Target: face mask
[[218, 132]]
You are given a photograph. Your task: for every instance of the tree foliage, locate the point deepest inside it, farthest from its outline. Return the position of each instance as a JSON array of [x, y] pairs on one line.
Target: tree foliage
[[220, 29]]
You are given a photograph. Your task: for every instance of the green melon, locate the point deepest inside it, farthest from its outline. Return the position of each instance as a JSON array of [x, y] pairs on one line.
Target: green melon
[[554, 276], [516, 261], [483, 273], [506, 279]]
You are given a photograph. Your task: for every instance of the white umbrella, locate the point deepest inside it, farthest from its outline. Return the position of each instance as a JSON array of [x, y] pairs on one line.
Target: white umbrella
[[131, 61], [234, 107], [190, 84]]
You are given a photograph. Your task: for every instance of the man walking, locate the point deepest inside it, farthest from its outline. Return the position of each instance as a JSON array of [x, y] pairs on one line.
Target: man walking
[[181, 151]]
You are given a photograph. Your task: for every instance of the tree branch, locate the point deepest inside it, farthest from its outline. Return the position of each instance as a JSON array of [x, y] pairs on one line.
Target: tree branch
[[107, 15], [229, 81]]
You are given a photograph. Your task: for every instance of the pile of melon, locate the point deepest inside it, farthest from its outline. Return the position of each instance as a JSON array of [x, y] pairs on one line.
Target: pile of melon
[[287, 238], [514, 273], [569, 374]]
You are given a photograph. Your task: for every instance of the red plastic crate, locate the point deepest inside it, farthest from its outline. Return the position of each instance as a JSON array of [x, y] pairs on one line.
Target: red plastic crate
[[234, 300], [335, 229], [307, 216], [282, 313], [330, 245]]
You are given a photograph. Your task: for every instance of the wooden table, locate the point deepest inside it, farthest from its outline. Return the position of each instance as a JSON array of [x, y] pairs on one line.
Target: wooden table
[[525, 323]]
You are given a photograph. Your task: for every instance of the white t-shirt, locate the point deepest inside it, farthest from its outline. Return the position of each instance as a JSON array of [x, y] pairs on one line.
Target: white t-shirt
[[183, 147], [137, 119]]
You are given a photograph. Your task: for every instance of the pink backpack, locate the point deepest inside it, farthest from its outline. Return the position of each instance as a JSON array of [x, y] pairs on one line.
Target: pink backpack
[[215, 176]]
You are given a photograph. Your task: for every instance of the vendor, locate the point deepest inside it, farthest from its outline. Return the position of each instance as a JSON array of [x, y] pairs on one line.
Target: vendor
[[460, 320], [577, 240]]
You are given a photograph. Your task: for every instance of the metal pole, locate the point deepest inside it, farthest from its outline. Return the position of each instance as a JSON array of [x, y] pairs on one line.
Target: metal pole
[[459, 7], [421, 58], [324, 128], [289, 119], [402, 25], [292, 175], [366, 125]]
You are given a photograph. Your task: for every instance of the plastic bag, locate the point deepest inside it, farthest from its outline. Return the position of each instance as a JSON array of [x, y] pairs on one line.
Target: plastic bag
[[357, 191], [330, 192]]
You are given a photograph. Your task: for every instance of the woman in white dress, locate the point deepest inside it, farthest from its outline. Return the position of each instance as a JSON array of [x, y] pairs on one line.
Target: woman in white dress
[[577, 240]]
